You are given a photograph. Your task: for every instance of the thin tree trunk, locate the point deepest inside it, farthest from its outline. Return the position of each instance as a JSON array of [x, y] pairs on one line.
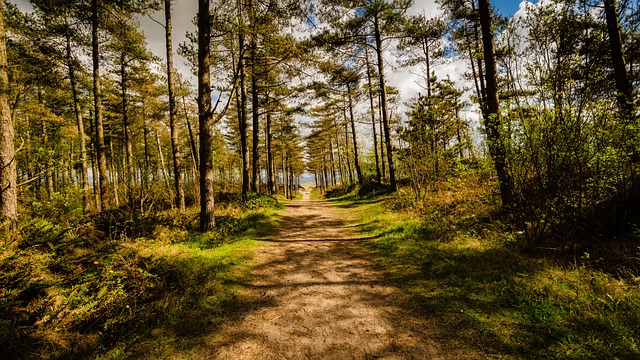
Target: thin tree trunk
[[623, 86], [125, 121], [352, 119], [268, 137], [346, 145], [205, 118], [94, 165], [145, 134], [373, 117], [492, 120], [80, 123], [284, 175], [242, 108], [425, 49], [383, 105], [173, 111], [340, 165], [483, 88], [45, 139], [97, 103], [8, 172], [192, 139], [255, 168], [163, 167], [333, 165], [114, 175], [384, 169]]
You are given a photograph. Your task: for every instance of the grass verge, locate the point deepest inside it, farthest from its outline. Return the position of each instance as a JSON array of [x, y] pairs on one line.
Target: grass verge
[[77, 293], [459, 266]]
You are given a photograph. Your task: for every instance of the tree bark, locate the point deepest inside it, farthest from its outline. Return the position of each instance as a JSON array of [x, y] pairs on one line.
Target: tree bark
[[352, 119], [97, 104], [373, 118], [205, 118], [80, 123], [492, 120], [125, 122], [242, 122], [483, 87], [623, 86], [8, 174], [192, 140], [383, 105], [270, 182], [173, 111], [255, 168]]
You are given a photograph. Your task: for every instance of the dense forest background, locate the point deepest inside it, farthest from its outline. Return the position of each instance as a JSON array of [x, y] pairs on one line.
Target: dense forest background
[[103, 143]]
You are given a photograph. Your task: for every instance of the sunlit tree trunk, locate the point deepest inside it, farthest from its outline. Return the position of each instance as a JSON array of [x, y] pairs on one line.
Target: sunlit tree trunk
[[255, 168], [205, 118], [173, 111], [125, 123], [492, 120], [80, 123], [8, 174], [352, 121], [383, 105], [373, 118], [97, 104], [192, 139], [268, 138]]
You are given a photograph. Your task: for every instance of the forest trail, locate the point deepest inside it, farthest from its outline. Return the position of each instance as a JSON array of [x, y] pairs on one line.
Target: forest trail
[[314, 295]]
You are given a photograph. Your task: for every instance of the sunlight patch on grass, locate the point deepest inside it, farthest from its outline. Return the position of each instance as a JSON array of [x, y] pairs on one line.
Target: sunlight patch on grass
[[458, 267]]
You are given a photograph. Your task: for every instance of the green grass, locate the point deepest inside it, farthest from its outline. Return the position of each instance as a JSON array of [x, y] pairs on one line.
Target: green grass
[[459, 267], [74, 293]]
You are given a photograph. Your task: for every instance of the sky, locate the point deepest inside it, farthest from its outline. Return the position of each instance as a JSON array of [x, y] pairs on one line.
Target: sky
[[405, 79], [506, 7], [185, 10]]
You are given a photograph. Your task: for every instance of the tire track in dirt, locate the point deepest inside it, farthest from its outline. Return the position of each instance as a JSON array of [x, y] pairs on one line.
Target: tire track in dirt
[[314, 295]]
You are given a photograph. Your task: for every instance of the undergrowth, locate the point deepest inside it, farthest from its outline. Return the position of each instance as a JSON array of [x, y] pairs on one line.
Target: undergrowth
[[459, 263], [120, 284]]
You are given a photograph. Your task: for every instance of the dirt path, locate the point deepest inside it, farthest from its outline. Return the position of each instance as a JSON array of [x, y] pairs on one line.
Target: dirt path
[[315, 296]]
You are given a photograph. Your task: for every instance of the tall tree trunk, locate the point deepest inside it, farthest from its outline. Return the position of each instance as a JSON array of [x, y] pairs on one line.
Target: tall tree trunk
[[492, 120], [127, 133], [242, 107], [80, 123], [94, 164], [383, 105], [476, 81], [8, 172], [346, 163], [346, 150], [373, 117], [483, 88], [352, 119], [163, 167], [145, 134], [268, 137], [623, 86], [48, 173], [255, 168], [97, 104], [173, 111], [205, 118], [192, 140], [425, 49], [383, 162], [114, 176], [285, 188]]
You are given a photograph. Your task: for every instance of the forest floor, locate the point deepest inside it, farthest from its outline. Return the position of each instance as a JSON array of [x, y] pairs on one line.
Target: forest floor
[[315, 294]]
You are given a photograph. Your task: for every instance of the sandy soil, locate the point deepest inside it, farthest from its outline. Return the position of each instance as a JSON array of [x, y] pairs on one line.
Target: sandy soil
[[314, 295]]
